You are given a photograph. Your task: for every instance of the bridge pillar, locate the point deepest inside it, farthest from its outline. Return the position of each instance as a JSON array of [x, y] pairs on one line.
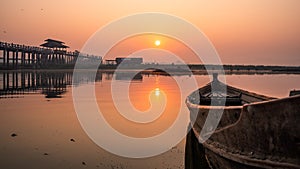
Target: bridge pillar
[[17, 59], [7, 59], [22, 58], [4, 55], [13, 59]]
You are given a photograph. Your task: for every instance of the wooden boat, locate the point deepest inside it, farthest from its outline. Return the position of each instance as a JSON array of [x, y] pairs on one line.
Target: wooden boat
[[255, 131]]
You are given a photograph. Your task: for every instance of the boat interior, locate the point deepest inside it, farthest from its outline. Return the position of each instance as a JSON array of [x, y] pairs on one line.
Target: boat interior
[[217, 93]]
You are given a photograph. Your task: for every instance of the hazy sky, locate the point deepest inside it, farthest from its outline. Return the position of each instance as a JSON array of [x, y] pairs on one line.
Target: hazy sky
[[243, 31]]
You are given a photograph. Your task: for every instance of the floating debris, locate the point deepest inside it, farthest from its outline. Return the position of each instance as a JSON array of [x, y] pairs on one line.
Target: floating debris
[[72, 140], [13, 135], [46, 154], [83, 163]]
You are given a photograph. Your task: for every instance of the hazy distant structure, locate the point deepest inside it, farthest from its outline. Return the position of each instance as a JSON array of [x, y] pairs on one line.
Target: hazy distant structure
[[129, 61], [110, 61], [125, 61]]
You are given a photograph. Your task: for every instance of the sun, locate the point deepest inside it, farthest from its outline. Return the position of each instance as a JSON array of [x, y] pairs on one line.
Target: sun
[[157, 42]]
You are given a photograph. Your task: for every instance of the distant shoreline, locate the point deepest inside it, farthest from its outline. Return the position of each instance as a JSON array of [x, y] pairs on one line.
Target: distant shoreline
[[167, 66], [179, 69]]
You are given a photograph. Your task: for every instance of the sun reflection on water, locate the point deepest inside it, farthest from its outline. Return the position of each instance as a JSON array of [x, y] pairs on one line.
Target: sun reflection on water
[[155, 97], [157, 92]]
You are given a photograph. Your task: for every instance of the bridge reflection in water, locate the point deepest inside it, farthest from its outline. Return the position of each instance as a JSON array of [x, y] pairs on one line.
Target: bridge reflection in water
[[52, 84]]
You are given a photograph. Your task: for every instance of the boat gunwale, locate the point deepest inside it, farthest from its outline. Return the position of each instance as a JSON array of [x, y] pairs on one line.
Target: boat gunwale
[[244, 92], [210, 107]]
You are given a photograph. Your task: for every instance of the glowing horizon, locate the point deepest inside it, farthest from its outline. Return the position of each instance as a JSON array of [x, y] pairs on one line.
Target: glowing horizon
[[243, 32]]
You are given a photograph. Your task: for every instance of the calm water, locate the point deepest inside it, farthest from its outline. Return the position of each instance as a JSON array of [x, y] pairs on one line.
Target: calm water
[[38, 108]]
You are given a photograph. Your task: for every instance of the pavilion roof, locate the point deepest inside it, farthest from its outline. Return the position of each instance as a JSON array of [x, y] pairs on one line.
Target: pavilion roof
[[50, 43]]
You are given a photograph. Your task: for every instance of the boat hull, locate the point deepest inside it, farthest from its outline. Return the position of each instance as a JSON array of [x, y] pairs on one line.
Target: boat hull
[[257, 135], [216, 161]]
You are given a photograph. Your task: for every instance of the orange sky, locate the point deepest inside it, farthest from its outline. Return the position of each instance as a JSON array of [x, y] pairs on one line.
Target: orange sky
[[144, 46], [243, 31]]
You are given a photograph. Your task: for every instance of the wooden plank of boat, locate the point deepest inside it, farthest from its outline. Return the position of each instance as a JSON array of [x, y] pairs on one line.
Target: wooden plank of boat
[[261, 132]]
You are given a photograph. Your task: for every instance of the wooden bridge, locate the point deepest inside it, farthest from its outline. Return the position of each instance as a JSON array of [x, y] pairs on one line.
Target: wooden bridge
[[50, 55]]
